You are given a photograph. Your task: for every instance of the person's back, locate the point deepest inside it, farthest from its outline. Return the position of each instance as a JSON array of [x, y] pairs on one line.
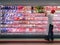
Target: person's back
[[50, 18]]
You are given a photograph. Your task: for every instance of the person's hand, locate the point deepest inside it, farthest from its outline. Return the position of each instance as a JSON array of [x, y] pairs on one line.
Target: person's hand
[[45, 14]]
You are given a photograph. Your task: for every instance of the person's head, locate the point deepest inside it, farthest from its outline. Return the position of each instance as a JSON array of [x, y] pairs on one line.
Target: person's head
[[52, 11]]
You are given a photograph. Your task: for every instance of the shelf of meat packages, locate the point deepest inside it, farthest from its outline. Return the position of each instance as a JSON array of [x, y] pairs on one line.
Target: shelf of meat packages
[[23, 23], [20, 22]]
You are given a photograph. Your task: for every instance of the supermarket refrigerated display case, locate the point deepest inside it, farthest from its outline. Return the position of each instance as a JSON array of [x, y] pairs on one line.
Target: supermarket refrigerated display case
[[20, 22]]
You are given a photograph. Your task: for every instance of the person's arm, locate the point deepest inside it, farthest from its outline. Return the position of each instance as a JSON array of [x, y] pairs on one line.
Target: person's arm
[[45, 13]]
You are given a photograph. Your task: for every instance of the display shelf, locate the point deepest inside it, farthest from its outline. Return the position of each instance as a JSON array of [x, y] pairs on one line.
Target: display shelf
[[19, 22]]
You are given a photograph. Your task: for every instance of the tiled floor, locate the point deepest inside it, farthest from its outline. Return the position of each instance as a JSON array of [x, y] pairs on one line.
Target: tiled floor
[[30, 44]]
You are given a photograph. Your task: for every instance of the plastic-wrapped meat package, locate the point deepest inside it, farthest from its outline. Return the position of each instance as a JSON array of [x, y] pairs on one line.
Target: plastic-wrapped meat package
[[9, 17], [16, 30], [0, 20], [21, 29], [56, 22], [41, 29], [3, 30], [30, 30], [18, 16]]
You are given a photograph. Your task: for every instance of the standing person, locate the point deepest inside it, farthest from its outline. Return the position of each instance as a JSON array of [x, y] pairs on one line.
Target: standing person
[[50, 25]]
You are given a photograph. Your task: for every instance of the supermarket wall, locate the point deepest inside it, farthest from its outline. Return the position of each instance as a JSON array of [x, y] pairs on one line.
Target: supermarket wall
[[30, 2]]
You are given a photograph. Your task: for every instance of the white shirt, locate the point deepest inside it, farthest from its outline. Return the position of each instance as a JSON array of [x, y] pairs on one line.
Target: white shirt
[[50, 18]]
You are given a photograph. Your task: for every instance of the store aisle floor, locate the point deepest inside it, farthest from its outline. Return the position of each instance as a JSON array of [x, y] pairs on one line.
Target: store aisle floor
[[29, 43]]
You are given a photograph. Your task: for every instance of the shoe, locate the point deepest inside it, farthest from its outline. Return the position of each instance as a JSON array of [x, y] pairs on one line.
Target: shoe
[[47, 39], [52, 40]]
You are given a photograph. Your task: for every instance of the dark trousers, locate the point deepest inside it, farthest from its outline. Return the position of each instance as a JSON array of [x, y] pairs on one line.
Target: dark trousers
[[50, 32]]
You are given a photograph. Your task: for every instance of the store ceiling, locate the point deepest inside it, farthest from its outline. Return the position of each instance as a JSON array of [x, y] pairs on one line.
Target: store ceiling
[[30, 2]]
